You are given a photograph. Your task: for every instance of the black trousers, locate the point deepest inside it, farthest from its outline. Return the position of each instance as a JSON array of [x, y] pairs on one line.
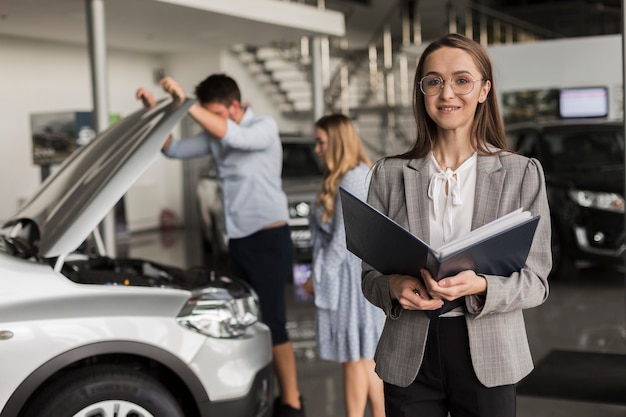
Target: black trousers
[[265, 261], [446, 382]]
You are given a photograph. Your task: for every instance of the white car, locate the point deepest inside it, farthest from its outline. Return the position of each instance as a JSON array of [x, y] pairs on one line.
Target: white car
[[85, 335]]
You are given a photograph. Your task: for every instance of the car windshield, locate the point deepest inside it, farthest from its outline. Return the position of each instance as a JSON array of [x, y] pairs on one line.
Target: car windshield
[[299, 160], [585, 147]]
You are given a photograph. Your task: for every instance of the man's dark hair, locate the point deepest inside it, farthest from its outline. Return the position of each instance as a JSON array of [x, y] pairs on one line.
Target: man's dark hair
[[218, 88]]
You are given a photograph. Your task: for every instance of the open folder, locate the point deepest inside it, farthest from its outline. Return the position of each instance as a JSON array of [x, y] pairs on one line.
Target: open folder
[[497, 248]]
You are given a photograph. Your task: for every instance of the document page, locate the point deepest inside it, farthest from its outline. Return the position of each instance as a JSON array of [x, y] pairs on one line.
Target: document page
[[481, 233]]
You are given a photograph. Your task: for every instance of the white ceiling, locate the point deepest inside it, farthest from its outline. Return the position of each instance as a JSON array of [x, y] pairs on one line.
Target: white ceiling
[[163, 26]]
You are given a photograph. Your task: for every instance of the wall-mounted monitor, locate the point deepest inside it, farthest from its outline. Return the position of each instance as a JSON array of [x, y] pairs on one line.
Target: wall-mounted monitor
[[584, 102]]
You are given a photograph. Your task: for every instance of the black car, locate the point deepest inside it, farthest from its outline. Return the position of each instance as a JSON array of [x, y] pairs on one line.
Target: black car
[[584, 165]]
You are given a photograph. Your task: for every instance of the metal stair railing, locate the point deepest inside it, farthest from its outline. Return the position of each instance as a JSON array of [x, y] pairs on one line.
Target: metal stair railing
[[491, 27], [281, 69]]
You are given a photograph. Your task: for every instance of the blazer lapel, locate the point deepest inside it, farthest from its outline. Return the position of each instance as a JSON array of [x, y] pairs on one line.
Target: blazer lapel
[[489, 183], [416, 179]]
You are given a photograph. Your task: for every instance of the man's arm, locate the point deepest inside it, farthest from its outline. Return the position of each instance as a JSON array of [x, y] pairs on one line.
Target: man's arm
[[215, 125], [148, 101], [146, 97]]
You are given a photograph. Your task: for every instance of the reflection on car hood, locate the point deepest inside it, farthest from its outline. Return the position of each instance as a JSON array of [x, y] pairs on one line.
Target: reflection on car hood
[[302, 189], [609, 179], [75, 199]]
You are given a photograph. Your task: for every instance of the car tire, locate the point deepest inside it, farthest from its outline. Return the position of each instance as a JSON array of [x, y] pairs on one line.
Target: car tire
[[104, 391]]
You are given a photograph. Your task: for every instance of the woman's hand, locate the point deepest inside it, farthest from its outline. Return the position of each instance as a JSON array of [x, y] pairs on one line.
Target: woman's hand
[[173, 88], [411, 293], [450, 288]]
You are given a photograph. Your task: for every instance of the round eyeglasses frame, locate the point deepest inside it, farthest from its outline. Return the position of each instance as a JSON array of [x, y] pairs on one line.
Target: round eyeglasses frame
[[441, 85]]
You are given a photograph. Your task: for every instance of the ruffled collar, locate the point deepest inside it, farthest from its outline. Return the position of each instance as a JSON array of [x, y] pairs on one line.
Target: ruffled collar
[[447, 184]]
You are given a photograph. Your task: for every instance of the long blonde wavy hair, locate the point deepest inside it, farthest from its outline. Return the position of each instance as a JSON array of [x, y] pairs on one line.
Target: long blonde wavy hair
[[344, 151]]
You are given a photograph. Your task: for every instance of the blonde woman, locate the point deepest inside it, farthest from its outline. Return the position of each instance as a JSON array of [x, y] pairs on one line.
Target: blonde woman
[[348, 327]]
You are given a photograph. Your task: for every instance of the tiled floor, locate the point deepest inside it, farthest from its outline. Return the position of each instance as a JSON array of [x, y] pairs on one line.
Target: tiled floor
[[587, 313]]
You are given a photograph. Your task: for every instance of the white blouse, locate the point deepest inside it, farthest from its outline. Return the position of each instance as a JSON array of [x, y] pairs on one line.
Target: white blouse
[[451, 195]]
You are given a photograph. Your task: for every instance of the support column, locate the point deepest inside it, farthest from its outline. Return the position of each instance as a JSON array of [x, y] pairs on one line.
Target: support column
[[97, 56], [317, 83]]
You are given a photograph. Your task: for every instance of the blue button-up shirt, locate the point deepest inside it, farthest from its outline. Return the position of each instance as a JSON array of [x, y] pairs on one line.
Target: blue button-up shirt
[[249, 160]]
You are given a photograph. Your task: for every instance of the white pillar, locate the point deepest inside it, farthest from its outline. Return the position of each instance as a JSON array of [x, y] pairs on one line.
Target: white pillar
[[317, 83], [97, 55]]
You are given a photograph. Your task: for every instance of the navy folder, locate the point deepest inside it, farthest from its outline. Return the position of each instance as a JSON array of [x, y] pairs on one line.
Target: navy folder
[[391, 249]]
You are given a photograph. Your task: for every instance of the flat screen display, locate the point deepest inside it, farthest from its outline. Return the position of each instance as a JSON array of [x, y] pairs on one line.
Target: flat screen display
[[584, 102]]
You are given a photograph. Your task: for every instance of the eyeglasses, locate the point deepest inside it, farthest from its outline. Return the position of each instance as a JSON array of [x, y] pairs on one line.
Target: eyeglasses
[[461, 84]]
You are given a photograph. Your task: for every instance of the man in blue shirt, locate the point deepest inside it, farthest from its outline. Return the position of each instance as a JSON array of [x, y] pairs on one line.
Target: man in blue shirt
[[248, 153]]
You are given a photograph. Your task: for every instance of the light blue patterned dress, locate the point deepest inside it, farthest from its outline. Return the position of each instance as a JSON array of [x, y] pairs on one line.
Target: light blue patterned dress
[[348, 326]]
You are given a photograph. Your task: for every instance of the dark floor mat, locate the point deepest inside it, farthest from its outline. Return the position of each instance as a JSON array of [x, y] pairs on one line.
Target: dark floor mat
[[581, 376]]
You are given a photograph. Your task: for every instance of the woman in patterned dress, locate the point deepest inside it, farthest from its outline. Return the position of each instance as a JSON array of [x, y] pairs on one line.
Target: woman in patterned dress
[[348, 326]]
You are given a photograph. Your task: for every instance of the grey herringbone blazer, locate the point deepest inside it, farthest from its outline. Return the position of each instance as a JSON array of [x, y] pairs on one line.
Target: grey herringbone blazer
[[497, 335]]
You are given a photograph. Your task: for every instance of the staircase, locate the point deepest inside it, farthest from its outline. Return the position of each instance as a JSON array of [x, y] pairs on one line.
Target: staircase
[[374, 84], [282, 72]]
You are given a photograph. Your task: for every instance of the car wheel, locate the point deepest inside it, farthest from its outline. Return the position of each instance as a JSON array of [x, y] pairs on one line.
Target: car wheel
[[104, 391]]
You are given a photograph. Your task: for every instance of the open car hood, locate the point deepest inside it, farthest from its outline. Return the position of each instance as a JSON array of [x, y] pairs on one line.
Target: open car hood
[[83, 190]]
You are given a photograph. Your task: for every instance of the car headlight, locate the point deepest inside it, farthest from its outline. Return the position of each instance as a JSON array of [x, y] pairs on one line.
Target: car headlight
[[301, 209], [215, 312], [598, 200]]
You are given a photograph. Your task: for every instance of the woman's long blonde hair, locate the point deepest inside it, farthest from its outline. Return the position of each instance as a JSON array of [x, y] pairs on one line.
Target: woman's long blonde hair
[[344, 151]]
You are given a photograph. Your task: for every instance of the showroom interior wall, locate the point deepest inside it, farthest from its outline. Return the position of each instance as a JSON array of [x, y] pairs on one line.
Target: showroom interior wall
[[40, 77]]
